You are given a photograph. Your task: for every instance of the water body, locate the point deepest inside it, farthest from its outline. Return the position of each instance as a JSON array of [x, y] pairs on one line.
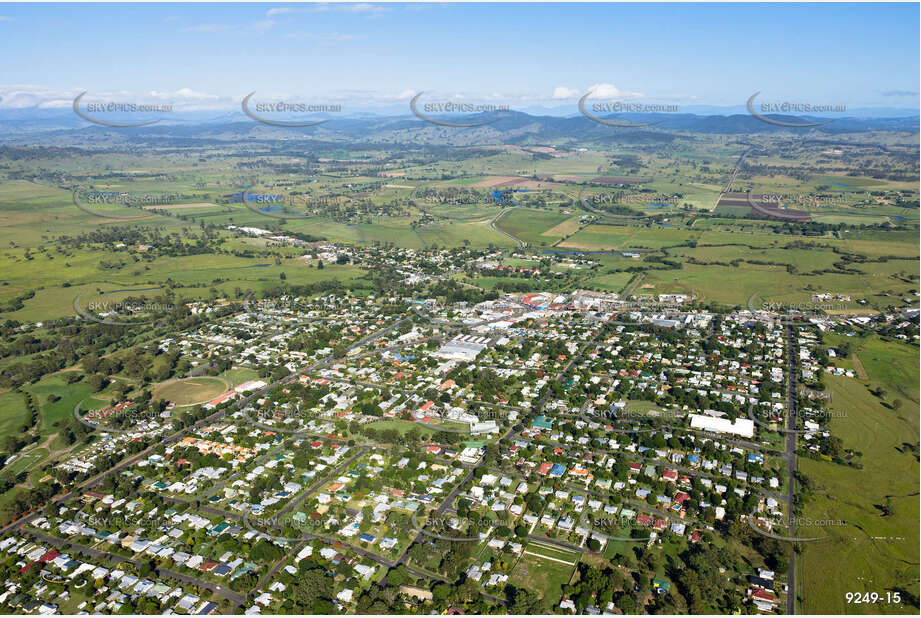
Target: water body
[[497, 195]]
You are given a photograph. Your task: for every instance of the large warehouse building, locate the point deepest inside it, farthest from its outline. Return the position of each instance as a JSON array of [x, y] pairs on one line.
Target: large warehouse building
[[744, 427]]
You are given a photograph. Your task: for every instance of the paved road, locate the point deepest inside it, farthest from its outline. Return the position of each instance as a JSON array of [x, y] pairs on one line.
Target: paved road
[[791, 464], [174, 437], [234, 597], [664, 463], [295, 549], [492, 226], [336, 472], [735, 170], [97, 479]]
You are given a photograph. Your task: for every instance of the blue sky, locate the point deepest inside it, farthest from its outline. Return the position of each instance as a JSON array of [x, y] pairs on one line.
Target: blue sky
[[378, 55]]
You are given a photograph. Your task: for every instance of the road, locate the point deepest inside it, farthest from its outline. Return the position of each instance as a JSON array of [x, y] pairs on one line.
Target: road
[[492, 226], [166, 441], [790, 456], [313, 488], [235, 598], [735, 170]]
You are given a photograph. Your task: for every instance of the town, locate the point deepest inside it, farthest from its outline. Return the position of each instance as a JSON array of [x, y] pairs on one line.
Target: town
[[415, 452]]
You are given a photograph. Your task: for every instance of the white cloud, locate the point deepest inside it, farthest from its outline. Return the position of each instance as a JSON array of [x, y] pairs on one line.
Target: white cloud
[[610, 91], [56, 104], [23, 96], [562, 92], [183, 99], [183, 93], [279, 11], [406, 94]]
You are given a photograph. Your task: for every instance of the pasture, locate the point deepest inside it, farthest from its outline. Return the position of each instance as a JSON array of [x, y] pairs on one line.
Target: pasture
[[876, 549]]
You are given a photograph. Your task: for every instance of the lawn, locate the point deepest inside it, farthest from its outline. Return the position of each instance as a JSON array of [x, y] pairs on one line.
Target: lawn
[[240, 375], [13, 413], [402, 427], [189, 391], [52, 413], [544, 577]]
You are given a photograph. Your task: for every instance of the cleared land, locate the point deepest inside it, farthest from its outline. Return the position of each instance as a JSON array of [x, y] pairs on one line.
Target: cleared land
[[188, 391], [876, 549]]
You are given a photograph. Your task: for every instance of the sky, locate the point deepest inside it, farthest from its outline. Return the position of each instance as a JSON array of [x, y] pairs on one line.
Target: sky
[[526, 55]]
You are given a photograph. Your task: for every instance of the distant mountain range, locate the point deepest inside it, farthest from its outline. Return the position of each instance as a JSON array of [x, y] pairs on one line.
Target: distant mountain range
[[36, 125]]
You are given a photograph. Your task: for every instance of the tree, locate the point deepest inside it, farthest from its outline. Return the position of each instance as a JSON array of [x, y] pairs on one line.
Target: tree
[[626, 604], [398, 576], [314, 585], [522, 601], [96, 382], [440, 592]]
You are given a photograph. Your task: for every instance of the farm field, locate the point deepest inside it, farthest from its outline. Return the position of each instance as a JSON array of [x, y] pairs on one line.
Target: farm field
[[466, 273], [532, 226]]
